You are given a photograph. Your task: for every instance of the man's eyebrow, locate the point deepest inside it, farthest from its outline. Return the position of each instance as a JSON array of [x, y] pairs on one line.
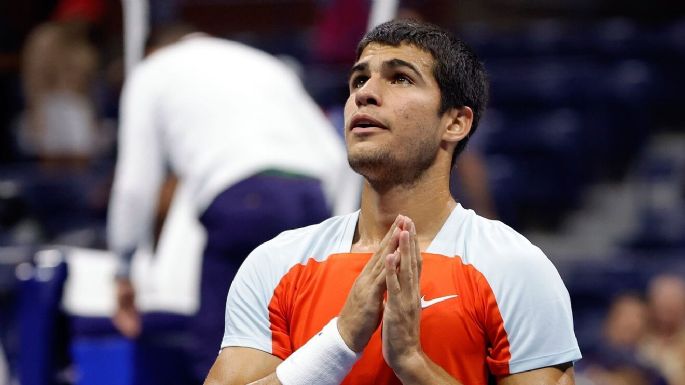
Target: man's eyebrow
[[395, 63], [392, 63], [359, 67]]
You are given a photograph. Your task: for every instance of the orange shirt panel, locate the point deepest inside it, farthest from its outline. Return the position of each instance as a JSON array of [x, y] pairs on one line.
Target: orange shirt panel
[[455, 332]]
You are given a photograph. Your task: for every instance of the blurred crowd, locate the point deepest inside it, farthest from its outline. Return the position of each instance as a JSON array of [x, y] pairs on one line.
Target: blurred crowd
[[580, 91], [642, 338]]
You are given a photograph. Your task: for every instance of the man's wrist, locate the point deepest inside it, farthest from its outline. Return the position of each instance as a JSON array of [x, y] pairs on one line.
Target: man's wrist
[[408, 367], [325, 359], [346, 336], [123, 272]]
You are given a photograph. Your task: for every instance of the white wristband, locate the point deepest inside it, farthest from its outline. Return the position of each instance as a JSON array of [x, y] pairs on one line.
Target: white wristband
[[324, 360]]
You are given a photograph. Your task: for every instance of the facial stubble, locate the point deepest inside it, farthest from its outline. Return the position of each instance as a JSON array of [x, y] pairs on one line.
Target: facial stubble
[[385, 167]]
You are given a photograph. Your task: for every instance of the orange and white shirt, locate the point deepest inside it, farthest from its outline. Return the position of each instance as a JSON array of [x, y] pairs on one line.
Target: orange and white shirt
[[493, 304]]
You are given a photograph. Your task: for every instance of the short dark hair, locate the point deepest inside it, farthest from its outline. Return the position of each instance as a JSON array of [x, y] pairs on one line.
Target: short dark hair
[[460, 75]]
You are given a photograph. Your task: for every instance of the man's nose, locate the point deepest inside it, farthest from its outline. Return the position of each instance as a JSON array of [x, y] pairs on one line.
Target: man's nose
[[369, 93]]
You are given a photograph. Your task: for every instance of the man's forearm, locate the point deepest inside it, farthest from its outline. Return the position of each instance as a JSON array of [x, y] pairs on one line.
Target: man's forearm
[[421, 370]]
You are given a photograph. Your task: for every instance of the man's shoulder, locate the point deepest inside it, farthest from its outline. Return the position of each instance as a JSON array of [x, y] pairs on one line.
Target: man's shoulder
[[481, 229], [494, 240], [314, 241], [149, 70], [172, 56]]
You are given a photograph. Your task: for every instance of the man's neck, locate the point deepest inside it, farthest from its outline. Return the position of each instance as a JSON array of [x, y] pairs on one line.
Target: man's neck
[[428, 204]]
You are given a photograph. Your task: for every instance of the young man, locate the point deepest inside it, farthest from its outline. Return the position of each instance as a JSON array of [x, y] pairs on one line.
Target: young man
[[413, 288]]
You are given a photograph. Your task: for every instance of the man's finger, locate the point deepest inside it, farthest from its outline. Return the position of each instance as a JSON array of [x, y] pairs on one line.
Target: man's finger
[[391, 280], [390, 240], [378, 259], [406, 251], [398, 221], [417, 251]]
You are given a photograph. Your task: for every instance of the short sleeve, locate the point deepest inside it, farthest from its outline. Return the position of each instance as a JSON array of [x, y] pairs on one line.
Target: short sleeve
[[256, 310], [247, 320], [529, 319]]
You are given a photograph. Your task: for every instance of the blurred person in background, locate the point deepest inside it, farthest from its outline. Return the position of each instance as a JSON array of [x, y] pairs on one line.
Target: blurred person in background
[[626, 323], [61, 138], [664, 344], [237, 129], [59, 65], [613, 359]]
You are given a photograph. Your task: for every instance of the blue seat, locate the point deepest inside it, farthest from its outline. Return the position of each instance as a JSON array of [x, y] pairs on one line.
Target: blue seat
[[43, 332], [103, 360]]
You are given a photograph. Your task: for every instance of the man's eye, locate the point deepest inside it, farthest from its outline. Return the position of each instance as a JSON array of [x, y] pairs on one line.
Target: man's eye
[[402, 79], [358, 81]]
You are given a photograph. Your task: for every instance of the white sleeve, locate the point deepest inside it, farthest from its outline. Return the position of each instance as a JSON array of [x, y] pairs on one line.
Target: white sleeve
[[248, 322], [140, 166], [534, 306]]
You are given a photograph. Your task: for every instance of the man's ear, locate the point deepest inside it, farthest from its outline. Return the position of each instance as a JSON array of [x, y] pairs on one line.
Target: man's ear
[[458, 122]]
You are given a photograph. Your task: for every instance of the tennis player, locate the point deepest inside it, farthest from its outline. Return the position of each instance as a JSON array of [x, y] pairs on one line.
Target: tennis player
[[413, 288]]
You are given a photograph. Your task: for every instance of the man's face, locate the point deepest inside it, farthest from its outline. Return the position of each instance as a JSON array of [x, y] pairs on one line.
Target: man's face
[[392, 126]]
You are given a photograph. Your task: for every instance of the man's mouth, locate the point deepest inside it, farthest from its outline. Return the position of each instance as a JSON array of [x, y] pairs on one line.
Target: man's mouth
[[366, 124]]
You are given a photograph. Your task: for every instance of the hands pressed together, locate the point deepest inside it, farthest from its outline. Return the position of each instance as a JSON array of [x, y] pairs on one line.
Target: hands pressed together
[[395, 270]]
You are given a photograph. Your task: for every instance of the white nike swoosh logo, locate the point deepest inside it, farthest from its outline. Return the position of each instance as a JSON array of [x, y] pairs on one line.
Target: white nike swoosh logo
[[425, 304]]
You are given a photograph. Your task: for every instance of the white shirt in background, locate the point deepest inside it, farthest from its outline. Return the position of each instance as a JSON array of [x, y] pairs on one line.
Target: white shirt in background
[[215, 112]]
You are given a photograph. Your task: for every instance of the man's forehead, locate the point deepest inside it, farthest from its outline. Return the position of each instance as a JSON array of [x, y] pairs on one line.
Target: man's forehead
[[406, 52]]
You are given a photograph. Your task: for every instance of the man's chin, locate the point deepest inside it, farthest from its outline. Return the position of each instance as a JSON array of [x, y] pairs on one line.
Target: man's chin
[[378, 171], [369, 163], [383, 170]]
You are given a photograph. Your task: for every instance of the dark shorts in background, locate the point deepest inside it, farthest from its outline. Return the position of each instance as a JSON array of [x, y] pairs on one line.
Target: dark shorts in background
[[249, 213]]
